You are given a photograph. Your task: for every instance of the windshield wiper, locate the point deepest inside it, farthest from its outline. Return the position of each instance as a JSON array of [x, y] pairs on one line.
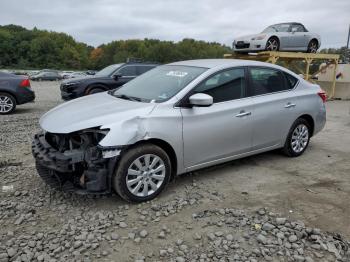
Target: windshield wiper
[[131, 98]]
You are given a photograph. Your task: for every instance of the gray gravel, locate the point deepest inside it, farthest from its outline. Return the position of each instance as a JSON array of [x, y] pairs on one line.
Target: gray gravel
[[190, 223]]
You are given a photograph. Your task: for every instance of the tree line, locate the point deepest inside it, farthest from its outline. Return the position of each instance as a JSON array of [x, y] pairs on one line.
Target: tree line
[[36, 49], [22, 48]]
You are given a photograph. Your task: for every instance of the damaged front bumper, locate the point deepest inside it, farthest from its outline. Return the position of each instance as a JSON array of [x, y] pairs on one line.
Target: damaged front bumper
[[74, 163]]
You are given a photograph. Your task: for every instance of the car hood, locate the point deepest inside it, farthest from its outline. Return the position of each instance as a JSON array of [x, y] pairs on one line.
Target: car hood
[[84, 79], [247, 37], [92, 111]]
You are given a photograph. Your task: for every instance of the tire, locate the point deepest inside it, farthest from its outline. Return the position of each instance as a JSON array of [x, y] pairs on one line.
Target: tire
[[298, 138], [312, 47], [95, 90], [272, 44], [7, 103], [139, 177]]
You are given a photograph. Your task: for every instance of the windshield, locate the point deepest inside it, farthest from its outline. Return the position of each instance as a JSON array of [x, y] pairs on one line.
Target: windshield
[[277, 28], [159, 84], [107, 71]]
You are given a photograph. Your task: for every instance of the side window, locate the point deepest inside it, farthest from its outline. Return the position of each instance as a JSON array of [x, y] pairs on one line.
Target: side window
[[264, 81], [291, 81], [127, 71], [224, 86], [297, 28], [143, 69]]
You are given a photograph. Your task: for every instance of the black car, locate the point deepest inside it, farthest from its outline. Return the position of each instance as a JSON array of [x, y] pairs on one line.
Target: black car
[[108, 78], [14, 90], [47, 76]]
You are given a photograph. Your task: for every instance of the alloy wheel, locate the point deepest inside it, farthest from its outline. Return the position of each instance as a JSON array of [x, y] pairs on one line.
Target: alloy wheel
[[6, 104], [300, 138], [313, 47], [272, 45], [145, 175]]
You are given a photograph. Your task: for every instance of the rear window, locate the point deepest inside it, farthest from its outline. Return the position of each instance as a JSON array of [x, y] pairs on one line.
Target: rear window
[[291, 80], [266, 80]]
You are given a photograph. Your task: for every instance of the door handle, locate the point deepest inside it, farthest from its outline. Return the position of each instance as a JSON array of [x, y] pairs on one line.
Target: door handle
[[243, 113], [289, 105]]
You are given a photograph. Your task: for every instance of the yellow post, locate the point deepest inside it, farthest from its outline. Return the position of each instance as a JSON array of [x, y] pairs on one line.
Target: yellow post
[[308, 62], [334, 77]]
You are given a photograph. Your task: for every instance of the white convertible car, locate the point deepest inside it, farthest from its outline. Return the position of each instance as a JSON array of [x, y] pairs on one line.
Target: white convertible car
[[280, 37]]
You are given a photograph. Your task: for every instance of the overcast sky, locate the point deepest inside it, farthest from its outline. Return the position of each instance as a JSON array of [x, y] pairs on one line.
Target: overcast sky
[[101, 21]]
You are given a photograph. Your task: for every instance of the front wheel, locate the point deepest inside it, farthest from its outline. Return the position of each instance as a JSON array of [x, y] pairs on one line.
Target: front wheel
[[142, 173], [298, 138], [272, 44]]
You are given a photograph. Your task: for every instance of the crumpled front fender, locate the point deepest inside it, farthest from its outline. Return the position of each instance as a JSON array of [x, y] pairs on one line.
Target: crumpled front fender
[[125, 132]]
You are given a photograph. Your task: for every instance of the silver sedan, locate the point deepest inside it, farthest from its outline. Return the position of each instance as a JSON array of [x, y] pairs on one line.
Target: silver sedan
[[280, 37], [174, 119]]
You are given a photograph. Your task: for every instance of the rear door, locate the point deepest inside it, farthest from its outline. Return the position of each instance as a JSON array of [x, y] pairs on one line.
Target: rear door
[[223, 129], [274, 106]]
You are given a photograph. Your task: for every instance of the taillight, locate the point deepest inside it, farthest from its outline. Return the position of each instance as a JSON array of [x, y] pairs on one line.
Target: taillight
[[25, 83], [323, 96]]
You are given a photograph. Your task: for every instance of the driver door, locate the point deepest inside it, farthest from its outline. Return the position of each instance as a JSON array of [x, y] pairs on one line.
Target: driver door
[[126, 74], [298, 37], [222, 130]]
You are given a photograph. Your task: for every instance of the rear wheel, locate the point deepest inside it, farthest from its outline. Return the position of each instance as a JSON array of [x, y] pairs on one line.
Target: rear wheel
[[312, 47], [272, 44], [142, 173], [7, 103], [298, 138]]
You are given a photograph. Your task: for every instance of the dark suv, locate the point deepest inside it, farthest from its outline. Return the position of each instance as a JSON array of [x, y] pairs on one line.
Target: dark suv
[[111, 77]]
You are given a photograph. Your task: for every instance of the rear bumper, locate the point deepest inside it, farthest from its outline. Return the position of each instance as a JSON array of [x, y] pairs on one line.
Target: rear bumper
[[25, 95], [83, 172], [320, 120]]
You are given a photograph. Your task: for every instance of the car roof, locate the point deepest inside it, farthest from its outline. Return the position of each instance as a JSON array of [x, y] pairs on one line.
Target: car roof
[[141, 63], [212, 63], [288, 23]]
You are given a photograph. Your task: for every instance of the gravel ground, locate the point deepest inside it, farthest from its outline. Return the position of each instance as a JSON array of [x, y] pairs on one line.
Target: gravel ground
[[262, 208]]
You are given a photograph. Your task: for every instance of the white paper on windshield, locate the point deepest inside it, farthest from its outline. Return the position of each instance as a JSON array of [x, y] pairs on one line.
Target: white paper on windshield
[[177, 73]]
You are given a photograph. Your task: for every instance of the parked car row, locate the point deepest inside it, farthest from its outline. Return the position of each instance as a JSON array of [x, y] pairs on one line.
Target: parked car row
[[46, 76], [49, 74], [16, 90]]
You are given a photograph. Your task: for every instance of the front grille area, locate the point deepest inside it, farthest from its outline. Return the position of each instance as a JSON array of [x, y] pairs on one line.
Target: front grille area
[[241, 45], [76, 140], [67, 88]]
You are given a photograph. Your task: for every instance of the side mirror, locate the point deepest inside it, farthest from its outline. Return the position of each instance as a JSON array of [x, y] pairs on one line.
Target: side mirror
[[201, 100], [117, 76], [294, 29]]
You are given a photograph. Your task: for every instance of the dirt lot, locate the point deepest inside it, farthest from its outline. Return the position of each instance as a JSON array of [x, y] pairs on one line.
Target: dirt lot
[[244, 210]]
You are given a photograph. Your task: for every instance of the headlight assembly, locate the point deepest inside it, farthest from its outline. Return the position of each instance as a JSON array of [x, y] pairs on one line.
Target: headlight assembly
[[259, 37]]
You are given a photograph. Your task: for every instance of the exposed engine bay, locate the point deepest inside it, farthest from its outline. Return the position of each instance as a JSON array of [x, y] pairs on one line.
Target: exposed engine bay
[[75, 161]]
